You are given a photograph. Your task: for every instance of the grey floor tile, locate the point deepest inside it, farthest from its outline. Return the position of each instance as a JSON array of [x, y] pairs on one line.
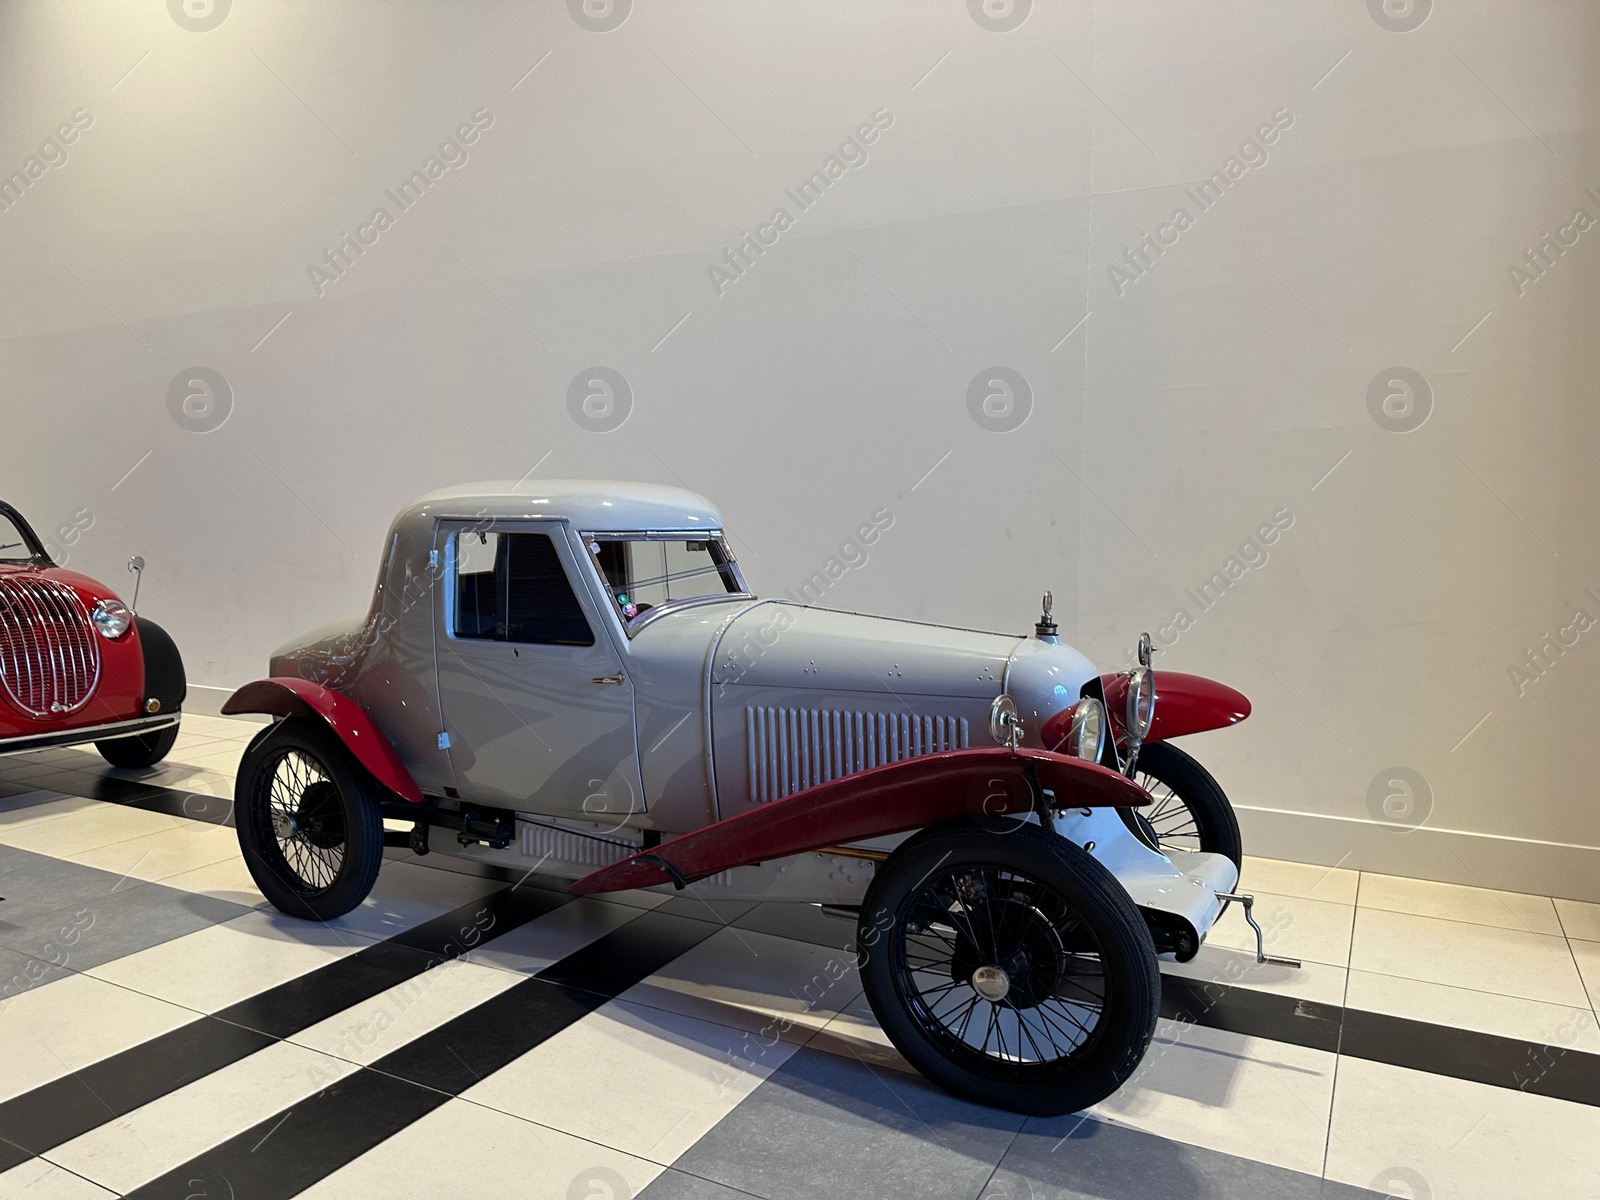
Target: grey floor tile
[[801, 923], [114, 924], [36, 883], [823, 1126], [1075, 1158], [47, 900], [23, 796], [676, 1185], [19, 973], [698, 908]]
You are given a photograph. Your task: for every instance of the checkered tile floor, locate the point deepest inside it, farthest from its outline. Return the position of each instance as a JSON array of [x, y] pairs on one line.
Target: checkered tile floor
[[164, 1033]]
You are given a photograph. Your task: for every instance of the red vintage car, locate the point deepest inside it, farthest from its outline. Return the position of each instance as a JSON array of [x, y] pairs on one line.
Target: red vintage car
[[76, 664]]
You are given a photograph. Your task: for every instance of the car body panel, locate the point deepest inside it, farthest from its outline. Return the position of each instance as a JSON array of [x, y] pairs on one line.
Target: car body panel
[[530, 725], [1184, 704], [117, 693], [343, 715]]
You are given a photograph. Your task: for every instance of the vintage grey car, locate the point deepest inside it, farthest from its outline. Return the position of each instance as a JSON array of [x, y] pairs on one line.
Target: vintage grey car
[[576, 678]]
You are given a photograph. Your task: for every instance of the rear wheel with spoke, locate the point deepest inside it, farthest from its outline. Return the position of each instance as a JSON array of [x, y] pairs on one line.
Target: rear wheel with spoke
[[1009, 967], [308, 821], [1190, 810]]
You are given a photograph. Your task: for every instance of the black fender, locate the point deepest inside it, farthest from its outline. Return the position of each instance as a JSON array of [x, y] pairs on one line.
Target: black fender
[[164, 679]]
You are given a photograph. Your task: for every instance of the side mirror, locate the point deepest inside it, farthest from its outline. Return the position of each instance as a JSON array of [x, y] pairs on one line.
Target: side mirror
[[136, 565]]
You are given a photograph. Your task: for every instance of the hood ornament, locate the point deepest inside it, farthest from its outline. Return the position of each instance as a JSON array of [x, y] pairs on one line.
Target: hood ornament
[[1045, 628]]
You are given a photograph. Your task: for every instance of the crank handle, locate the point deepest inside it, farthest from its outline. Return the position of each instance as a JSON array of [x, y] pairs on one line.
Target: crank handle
[[1247, 903]]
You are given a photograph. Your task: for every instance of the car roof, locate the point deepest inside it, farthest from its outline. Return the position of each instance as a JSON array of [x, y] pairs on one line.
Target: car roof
[[592, 505]]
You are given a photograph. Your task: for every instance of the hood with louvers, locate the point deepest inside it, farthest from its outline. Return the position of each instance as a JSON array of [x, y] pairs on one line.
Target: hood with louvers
[[801, 695]]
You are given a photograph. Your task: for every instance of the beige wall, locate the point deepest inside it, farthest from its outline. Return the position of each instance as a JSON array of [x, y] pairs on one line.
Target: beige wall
[[1174, 409]]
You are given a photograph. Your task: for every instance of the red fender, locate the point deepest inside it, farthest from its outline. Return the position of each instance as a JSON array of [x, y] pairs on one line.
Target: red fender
[[988, 781], [284, 696], [1184, 704]]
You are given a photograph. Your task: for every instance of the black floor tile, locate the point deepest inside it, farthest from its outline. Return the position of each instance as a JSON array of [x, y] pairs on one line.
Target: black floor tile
[[1078, 1158]]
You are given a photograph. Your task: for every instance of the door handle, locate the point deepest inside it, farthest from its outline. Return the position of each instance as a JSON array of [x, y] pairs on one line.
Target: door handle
[[617, 678]]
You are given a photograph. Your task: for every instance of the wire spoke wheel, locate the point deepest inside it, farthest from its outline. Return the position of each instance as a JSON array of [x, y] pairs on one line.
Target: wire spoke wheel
[[304, 818], [1008, 966], [1169, 819], [309, 821], [1189, 811], [996, 964]]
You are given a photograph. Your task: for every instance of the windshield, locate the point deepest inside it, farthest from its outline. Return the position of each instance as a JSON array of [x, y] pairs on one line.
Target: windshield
[[645, 571], [16, 541]]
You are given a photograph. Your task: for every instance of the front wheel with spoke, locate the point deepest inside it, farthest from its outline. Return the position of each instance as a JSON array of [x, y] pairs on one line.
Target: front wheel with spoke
[[308, 819], [1190, 811], [1009, 967]]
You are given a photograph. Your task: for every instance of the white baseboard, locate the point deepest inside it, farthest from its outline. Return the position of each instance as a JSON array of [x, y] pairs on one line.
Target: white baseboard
[[208, 701], [1483, 860]]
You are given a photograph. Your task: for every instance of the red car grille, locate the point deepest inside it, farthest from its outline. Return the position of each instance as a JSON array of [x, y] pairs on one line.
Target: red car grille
[[49, 659]]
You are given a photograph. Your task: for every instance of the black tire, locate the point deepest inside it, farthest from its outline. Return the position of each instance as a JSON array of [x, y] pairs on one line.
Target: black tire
[[308, 819], [1077, 978], [1191, 811], [141, 750]]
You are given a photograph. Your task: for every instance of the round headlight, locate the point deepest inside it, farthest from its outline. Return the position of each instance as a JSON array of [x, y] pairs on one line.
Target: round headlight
[[1086, 737], [1004, 724], [1141, 701], [111, 617]]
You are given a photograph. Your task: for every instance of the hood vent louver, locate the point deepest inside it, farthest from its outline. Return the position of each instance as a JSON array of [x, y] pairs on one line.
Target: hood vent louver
[[795, 748]]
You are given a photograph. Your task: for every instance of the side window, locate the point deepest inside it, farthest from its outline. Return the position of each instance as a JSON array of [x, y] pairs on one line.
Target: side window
[[510, 587]]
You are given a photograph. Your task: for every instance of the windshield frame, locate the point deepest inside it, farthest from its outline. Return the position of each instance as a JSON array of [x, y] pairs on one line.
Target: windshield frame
[[633, 625], [37, 555]]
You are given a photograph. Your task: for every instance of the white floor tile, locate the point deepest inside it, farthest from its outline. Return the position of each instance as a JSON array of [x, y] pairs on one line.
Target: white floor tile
[[1587, 955], [367, 1031], [156, 856], [1312, 980], [754, 981], [223, 964], [1469, 1141], [1485, 1012], [644, 1081], [1337, 885], [37, 1179], [1453, 902], [405, 896], [1295, 927], [228, 879], [64, 1026], [1264, 1100], [1478, 957], [510, 1157], [1579, 920], [69, 834], [168, 1132], [855, 1033], [539, 943]]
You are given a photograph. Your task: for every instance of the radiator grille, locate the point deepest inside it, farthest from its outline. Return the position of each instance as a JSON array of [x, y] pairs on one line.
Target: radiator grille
[[49, 659], [795, 748]]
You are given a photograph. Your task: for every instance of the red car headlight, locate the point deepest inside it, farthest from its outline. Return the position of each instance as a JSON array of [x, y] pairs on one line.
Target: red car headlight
[[111, 617]]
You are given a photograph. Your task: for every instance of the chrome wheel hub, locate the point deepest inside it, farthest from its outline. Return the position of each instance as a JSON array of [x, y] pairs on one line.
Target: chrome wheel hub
[[992, 983], [283, 824]]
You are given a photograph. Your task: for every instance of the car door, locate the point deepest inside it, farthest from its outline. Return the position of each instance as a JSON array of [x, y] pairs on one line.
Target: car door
[[537, 704]]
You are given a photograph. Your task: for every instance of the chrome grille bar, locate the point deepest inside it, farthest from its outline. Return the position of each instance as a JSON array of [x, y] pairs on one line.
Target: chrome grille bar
[[49, 658]]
